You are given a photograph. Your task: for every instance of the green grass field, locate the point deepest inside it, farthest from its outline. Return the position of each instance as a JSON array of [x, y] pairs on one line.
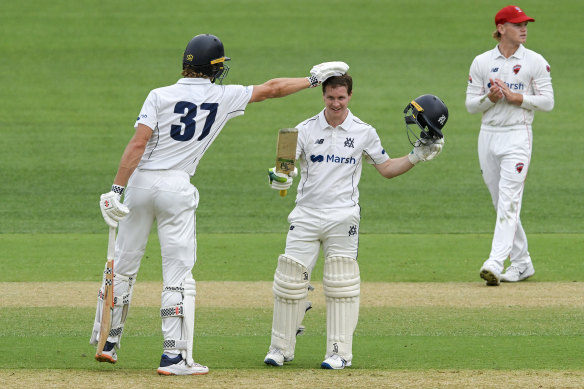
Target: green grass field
[[74, 75]]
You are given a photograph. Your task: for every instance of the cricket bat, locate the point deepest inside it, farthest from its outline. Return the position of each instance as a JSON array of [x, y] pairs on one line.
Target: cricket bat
[[108, 294], [286, 152]]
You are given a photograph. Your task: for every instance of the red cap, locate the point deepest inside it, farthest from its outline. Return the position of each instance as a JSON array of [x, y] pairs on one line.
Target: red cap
[[512, 14]]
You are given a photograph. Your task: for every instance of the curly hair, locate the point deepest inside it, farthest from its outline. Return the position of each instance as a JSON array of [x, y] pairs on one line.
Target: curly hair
[[189, 72]]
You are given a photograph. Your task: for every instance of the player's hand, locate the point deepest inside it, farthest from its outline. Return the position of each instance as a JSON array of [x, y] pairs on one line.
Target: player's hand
[[281, 181], [319, 73], [426, 150], [112, 208]]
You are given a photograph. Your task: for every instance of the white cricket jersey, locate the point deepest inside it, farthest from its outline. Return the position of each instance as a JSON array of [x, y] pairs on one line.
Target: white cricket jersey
[[331, 160], [525, 72], [186, 118]]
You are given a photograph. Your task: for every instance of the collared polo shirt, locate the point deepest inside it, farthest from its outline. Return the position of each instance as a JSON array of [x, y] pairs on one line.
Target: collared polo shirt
[[525, 72], [331, 160]]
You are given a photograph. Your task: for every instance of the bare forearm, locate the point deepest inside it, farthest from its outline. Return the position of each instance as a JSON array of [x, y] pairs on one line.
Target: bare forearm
[[394, 167], [128, 163], [278, 87], [132, 154]]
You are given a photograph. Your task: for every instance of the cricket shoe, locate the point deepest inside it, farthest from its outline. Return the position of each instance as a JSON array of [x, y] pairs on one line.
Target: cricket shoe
[[275, 357], [178, 366], [108, 354], [490, 275], [514, 273], [335, 362]]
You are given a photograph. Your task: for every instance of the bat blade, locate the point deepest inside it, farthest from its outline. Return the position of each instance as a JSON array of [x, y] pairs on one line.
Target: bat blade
[[286, 152], [108, 294]]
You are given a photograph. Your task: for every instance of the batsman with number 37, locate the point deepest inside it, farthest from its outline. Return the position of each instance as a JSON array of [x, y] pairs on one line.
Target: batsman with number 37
[[331, 148], [175, 127]]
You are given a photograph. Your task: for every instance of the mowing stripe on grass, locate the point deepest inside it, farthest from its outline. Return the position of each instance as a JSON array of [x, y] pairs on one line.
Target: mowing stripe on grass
[[234, 294]]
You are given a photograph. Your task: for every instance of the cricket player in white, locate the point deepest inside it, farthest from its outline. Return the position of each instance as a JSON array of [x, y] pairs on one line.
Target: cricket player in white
[[175, 127], [331, 148], [507, 84]]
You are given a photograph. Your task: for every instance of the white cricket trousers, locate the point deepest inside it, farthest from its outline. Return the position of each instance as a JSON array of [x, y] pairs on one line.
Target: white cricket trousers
[[168, 197], [504, 157], [336, 229]]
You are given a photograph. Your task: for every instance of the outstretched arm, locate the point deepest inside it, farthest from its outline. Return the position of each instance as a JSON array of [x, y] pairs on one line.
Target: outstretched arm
[[394, 167], [424, 150], [280, 87]]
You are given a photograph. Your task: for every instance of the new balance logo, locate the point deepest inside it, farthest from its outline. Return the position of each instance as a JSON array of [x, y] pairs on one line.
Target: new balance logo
[[319, 141]]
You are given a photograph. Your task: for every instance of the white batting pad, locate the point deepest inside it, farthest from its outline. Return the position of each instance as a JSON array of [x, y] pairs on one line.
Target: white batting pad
[[189, 319], [178, 318], [123, 287], [290, 291], [342, 287]]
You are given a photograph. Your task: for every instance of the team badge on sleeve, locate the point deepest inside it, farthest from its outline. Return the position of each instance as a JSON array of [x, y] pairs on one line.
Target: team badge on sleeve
[[519, 167]]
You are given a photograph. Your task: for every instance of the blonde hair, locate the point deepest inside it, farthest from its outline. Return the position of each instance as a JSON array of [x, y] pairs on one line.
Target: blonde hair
[[497, 35]]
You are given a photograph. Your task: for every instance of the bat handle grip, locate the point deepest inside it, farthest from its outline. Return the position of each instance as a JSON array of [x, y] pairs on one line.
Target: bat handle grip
[[111, 243], [283, 192]]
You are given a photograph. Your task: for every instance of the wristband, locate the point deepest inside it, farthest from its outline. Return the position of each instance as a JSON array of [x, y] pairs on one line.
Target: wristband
[[313, 81], [413, 158], [118, 189]]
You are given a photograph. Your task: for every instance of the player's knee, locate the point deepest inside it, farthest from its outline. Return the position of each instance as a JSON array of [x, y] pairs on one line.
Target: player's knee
[[291, 278], [341, 277]]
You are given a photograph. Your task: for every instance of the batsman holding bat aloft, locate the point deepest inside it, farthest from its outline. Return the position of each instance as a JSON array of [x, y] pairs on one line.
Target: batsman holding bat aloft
[[174, 129], [331, 149]]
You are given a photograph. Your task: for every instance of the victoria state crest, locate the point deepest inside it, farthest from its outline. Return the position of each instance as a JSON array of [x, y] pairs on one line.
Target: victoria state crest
[[519, 167]]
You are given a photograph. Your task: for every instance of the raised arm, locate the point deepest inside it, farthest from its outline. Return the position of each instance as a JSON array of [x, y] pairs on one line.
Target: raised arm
[[280, 87]]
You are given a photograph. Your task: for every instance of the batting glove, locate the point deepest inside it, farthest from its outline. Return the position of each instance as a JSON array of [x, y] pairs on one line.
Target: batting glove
[[112, 208], [281, 181], [319, 73], [425, 150]]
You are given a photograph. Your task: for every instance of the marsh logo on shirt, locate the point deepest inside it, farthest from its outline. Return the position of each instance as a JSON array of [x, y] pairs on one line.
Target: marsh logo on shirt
[[331, 158], [515, 86]]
